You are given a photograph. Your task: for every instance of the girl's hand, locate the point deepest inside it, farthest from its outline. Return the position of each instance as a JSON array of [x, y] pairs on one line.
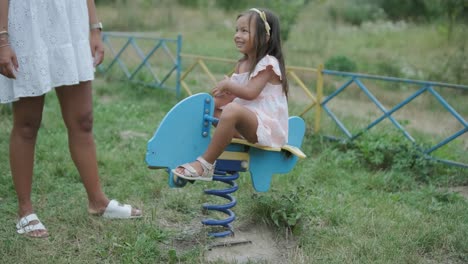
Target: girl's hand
[[221, 87], [97, 47], [8, 62]]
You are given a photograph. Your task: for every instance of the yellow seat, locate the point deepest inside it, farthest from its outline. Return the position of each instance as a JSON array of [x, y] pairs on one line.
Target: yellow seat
[[288, 148]]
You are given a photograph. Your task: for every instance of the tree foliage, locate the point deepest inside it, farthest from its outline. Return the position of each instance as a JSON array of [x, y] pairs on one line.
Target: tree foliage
[[287, 11], [358, 11]]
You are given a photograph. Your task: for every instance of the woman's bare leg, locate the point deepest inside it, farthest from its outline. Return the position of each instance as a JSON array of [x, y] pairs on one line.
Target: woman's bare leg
[[77, 112], [27, 116]]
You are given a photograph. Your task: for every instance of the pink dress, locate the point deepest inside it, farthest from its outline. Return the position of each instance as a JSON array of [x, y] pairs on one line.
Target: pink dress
[[271, 105]]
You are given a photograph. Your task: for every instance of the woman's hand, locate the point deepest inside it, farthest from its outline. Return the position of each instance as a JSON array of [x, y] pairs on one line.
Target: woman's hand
[[8, 62], [97, 47]]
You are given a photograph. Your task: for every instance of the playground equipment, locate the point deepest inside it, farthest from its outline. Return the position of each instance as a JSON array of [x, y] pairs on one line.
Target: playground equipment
[[184, 134]]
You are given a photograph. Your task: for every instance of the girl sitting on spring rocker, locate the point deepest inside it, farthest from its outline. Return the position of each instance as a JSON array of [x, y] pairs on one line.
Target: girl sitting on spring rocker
[[252, 103]]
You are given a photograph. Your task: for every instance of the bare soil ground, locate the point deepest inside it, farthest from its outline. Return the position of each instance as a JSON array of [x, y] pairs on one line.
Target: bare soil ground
[[251, 243], [462, 190]]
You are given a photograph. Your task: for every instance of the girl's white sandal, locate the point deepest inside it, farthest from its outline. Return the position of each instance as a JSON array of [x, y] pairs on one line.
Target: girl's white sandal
[[191, 174]]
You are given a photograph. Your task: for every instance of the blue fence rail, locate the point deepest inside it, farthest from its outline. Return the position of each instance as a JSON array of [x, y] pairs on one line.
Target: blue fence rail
[[425, 87], [119, 43]]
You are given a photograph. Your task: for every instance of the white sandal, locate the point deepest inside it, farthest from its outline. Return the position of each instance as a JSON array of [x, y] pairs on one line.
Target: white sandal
[[191, 174], [116, 210], [24, 226]]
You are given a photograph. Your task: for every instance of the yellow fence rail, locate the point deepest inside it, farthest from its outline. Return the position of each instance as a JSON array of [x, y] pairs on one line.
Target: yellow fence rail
[[313, 98], [306, 89]]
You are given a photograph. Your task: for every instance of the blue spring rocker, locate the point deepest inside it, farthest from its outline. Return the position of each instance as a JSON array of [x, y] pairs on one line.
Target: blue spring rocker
[[184, 134]]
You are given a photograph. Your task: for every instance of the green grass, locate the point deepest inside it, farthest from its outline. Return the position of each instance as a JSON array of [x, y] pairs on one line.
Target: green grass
[[345, 210], [340, 205]]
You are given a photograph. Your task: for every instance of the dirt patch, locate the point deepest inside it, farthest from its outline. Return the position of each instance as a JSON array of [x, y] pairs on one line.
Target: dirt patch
[[251, 243], [127, 134], [462, 190]]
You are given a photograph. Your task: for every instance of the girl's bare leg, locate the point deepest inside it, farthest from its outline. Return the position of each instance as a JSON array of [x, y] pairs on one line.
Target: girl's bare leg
[[220, 102], [77, 112], [27, 116], [234, 117]]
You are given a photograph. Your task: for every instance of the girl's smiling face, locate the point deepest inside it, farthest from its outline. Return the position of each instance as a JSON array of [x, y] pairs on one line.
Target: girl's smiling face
[[244, 36]]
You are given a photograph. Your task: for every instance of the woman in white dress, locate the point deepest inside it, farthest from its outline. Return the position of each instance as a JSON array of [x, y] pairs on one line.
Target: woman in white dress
[[52, 45]]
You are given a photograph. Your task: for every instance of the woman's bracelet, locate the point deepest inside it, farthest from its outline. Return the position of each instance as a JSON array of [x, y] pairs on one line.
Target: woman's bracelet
[[4, 36], [4, 33], [4, 45]]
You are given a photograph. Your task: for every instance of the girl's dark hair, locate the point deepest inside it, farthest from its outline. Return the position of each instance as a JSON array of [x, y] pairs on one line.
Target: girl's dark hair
[[272, 46]]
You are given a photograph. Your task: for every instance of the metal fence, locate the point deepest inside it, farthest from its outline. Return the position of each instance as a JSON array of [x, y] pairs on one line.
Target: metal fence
[[312, 95], [138, 59], [425, 87]]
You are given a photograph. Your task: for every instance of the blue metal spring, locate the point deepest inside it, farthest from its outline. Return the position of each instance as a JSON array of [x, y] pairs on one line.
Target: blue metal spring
[[224, 177]]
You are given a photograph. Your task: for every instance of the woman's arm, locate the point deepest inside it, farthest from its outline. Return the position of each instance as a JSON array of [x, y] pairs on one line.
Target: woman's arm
[[8, 61], [97, 47], [3, 15]]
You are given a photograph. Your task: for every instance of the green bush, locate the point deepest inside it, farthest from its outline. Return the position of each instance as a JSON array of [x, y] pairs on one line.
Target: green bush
[[340, 63], [406, 9], [424, 10], [288, 13], [356, 12], [388, 68], [230, 5], [454, 66], [188, 3], [391, 151], [282, 210], [286, 10]]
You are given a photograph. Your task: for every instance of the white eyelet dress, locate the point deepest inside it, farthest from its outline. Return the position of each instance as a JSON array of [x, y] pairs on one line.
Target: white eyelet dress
[[51, 41]]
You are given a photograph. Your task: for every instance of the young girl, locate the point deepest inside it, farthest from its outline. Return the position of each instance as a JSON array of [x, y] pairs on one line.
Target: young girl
[[253, 102]]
